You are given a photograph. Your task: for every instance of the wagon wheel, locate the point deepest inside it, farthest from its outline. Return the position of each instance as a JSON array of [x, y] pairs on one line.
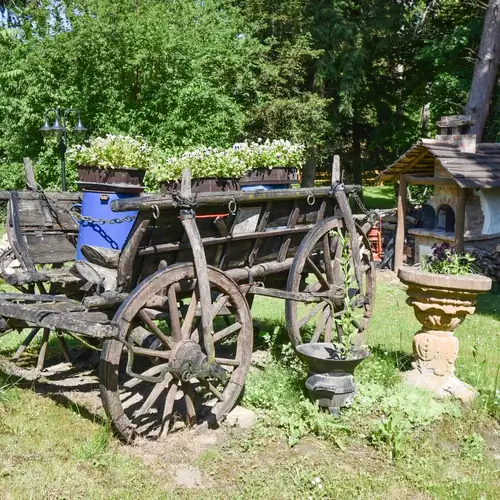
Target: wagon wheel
[[162, 385], [322, 267]]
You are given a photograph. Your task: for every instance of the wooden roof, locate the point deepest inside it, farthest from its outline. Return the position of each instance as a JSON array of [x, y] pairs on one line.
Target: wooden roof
[[469, 170]]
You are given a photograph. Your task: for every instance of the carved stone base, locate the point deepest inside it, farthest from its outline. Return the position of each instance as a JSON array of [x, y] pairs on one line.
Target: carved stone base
[[441, 386]]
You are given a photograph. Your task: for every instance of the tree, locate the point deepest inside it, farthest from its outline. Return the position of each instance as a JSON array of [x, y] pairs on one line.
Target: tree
[[485, 70]]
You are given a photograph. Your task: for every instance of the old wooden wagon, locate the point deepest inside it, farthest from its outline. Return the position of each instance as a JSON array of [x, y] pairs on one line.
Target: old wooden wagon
[[172, 309]]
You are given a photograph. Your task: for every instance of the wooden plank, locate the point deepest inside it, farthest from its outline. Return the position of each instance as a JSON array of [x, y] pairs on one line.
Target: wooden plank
[[50, 248], [19, 242], [460, 221], [129, 252], [170, 247], [400, 231], [292, 220], [260, 227]]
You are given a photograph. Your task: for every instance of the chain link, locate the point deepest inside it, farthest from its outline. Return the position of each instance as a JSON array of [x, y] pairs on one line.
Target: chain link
[[78, 216], [370, 214]]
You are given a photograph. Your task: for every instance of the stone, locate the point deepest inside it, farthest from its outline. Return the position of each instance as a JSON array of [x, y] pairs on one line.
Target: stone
[[240, 417], [187, 476], [441, 303]]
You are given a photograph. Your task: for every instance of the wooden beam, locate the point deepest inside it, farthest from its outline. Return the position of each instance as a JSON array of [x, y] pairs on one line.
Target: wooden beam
[[146, 202], [432, 181], [400, 231], [460, 221]]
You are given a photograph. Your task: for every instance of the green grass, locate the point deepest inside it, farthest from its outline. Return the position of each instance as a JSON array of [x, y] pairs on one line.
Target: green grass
[[379, 197], [393, 443]]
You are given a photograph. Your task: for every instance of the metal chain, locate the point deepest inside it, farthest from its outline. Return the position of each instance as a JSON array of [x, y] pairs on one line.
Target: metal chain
[[75, 215], [370, 214]]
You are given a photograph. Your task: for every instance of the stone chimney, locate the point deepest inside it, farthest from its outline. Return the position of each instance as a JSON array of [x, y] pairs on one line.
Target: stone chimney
[[455, 130]]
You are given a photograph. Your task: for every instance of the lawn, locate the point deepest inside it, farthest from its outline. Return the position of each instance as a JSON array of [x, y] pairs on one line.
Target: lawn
[[393, 443], [381, 197]]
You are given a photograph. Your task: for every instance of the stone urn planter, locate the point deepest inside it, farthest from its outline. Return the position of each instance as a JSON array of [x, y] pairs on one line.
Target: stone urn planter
[[331, 378], [441, 303]]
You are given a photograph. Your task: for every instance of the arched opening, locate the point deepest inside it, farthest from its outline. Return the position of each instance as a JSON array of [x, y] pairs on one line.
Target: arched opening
[[445, 220], [428, 217]]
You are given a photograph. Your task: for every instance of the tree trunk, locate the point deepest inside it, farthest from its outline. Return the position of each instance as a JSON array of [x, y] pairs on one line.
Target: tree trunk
[[309, 171], [485, 70]]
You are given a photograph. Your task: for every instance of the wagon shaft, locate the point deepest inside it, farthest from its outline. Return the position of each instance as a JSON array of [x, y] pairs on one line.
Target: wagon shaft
[[57, 316]]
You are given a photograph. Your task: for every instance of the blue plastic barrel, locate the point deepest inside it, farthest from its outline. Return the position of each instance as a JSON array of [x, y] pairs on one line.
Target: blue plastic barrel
[[264, 188], [98, 206]]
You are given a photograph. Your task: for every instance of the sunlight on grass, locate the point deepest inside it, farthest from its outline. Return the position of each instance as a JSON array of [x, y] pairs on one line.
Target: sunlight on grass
[[379, 197]]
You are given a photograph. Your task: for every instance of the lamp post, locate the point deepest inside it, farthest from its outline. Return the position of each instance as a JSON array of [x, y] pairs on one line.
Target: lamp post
[[59, 128]]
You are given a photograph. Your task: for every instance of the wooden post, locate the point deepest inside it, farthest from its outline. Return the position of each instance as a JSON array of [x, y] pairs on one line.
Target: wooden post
[[400, 232], [29, 175], [460, 221], [336, 170]]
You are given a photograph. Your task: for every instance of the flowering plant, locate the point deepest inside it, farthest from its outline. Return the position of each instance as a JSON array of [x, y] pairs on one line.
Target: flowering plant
[[114, 151], [270, 154], [233, 162], [445, 260], [202, 162]]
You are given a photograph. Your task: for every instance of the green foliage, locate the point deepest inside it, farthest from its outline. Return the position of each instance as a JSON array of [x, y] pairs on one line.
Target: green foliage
[[343, 77], [473, 447], [277, 392], [393, 433], [445, 260], [114, 151], [352, 315]]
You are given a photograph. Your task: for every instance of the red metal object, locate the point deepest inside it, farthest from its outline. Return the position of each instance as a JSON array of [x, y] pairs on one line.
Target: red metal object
[[375, 238]]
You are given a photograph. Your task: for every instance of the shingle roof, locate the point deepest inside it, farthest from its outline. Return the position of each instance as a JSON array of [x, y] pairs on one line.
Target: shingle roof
[[470, 170]]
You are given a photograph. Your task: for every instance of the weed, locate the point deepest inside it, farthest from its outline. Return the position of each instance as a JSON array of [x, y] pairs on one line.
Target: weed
[[392, 433], [472, 447]]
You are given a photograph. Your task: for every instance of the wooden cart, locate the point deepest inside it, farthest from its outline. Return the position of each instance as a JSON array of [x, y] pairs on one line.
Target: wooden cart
[[175, 324]]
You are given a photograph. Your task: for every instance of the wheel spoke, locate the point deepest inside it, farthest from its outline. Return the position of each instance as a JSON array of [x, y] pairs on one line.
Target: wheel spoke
[[153, 396], [150, 372], [227, 331], [168, 409], [152, 353], [175, 324], [156, 330], [190, 314], [327, 259], [328, 325], [227, 361], [310, 315], [320, 325], [188, 399], [43, 349], [213, 390], [26, 343], [318, 273]]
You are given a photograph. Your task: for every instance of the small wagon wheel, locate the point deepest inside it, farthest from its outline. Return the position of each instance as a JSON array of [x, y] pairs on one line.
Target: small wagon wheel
[[169, 378], [323, 269]]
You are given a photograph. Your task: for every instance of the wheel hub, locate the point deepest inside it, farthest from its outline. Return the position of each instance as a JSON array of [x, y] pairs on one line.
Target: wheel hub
[[189, 361]]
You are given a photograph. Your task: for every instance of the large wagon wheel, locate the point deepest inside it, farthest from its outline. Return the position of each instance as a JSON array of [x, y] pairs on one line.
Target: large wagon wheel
[[320, 268], [161, 384]]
